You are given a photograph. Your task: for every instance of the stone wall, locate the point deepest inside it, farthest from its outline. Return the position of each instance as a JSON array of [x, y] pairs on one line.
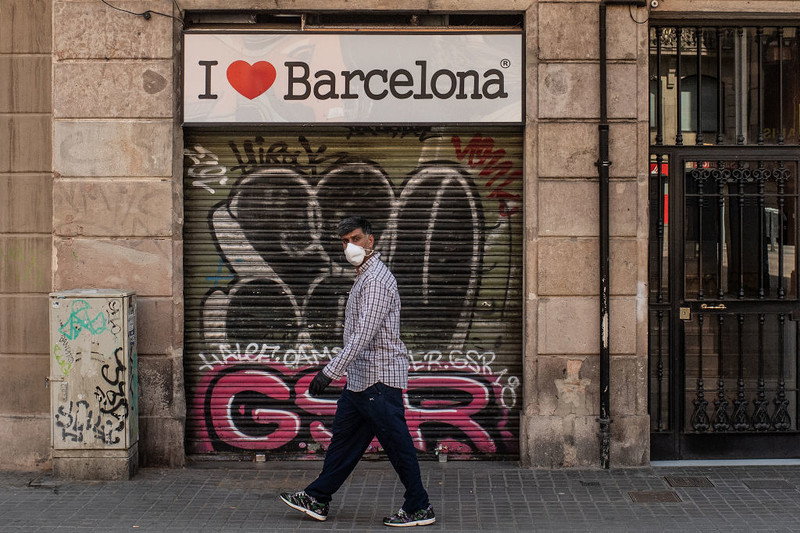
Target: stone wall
[[25, 231]]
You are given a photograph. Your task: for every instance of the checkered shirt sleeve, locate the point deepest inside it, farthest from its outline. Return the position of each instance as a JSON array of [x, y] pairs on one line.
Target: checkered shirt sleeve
[[372, 351]]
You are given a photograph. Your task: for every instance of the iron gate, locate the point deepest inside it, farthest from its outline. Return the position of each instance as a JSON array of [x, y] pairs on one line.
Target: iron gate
[[724, 307]]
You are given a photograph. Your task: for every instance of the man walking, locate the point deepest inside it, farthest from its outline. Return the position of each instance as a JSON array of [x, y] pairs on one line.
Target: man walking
[[376, 363]]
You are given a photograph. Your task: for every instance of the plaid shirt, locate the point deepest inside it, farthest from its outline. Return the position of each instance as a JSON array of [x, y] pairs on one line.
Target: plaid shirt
[[373, 351]]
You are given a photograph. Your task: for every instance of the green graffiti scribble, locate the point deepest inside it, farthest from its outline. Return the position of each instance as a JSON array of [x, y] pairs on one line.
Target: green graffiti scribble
[[79, 319], [64, 364]]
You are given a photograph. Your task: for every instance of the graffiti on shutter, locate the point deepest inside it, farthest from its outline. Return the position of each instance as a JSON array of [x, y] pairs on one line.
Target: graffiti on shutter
[[266, 281]]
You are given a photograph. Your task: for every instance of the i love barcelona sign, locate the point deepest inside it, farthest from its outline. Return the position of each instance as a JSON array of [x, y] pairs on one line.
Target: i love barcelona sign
[[353, 78]]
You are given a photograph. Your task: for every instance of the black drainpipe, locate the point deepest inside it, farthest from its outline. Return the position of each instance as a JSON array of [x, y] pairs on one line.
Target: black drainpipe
[[603, 164]]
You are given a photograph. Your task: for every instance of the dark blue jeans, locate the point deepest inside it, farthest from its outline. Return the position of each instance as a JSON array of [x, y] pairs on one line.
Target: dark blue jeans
[[361, 416]]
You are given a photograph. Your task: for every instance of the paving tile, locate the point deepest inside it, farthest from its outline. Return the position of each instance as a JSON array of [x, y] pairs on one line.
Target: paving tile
[[468, 497]]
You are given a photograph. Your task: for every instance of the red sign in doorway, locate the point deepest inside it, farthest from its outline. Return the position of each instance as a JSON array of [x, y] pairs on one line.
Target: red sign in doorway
[[665, 174]]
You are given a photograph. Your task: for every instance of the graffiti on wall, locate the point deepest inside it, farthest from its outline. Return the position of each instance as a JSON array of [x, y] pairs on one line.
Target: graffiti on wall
[[269, 311]]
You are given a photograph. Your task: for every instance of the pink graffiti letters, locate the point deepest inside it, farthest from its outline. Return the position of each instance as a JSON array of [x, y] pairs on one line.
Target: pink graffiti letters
[[234, 408]]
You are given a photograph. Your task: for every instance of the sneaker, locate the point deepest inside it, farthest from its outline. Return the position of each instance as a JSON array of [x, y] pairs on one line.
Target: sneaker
[[423, 517], [305, 504]]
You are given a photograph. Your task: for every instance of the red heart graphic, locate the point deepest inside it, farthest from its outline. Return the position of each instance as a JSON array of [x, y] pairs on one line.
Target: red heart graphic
[[251, 80]]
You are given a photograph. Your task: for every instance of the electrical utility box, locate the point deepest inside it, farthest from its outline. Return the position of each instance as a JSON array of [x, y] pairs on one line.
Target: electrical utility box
[[94, 384]]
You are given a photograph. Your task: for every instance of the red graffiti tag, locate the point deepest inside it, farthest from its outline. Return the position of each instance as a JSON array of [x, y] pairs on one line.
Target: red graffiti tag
[[481, 153]]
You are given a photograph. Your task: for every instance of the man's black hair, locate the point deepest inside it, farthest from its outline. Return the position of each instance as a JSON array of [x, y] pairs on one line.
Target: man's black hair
[[350, 224]]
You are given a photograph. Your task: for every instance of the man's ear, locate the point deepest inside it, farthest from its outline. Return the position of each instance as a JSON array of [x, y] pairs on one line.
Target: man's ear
[[371, 240]]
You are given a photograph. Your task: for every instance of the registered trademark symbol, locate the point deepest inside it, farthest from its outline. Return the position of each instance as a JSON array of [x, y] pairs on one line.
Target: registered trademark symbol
[[505, 63]]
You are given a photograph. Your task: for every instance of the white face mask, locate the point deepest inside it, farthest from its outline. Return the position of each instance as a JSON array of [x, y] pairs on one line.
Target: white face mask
[[355, 254]]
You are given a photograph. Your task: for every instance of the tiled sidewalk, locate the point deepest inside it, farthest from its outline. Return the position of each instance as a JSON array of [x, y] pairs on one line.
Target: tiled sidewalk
[[468, 496]]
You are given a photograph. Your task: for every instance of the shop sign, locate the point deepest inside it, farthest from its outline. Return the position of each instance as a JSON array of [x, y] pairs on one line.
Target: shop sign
[[353, 78]]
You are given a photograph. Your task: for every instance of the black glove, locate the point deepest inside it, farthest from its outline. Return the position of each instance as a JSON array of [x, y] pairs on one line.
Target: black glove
[[318, 385]]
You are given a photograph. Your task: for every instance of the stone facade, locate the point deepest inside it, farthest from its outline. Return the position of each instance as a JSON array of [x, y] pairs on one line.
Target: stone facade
[[91, 189]]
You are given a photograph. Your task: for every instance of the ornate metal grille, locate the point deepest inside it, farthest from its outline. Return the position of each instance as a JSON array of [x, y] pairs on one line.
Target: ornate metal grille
[[725, 116], [739, 266]]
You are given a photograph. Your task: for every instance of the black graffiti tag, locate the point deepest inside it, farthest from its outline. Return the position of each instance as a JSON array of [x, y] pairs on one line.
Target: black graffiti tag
[[275, 232], [256, 153], [76, 420], [113, 401]]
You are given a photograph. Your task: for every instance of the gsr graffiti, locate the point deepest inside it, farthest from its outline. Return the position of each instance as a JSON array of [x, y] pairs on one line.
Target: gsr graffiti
[[244, 406]]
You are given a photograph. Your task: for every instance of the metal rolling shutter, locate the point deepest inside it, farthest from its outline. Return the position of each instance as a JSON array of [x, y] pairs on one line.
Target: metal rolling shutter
[[266, 281]]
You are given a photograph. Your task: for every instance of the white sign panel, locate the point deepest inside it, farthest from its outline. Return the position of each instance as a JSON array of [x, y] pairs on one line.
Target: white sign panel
[[353, 78]]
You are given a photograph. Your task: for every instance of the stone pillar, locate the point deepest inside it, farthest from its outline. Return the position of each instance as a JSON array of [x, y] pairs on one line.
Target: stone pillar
[[116, 199], [25, 231], [562, 405]]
